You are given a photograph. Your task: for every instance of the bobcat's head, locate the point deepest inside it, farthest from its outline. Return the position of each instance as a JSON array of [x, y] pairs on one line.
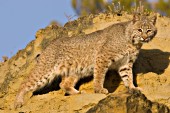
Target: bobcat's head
[[143, 29]]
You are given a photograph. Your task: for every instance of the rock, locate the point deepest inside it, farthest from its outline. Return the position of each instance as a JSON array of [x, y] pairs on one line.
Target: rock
[[128, 103], [58, 103]]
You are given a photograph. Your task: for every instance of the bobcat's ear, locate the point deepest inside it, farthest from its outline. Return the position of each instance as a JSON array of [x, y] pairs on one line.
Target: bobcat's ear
[[136, 17], [153, 19]]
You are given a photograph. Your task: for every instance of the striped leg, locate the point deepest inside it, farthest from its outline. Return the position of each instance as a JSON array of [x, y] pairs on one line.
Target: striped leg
[[126, 74]]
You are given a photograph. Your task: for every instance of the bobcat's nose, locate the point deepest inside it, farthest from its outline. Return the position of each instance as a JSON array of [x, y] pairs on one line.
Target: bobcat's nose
[[144, 36]]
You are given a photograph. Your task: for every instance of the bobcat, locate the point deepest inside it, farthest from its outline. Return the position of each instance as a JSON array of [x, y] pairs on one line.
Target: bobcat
[[116, 47]]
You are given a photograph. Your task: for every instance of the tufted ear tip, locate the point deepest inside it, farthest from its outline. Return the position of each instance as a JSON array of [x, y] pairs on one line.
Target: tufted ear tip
[[153, 19], [136, 17]]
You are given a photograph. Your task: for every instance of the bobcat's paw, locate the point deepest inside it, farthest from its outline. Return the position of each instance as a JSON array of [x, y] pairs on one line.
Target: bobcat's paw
[[18, 104], [102, 90]]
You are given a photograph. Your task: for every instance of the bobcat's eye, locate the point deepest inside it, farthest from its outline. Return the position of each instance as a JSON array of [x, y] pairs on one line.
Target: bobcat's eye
[[140, 30], [148, 30]]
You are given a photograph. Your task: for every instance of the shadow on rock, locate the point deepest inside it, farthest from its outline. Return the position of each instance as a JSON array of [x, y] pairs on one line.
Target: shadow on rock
[[153, 60], [54, 86], [112, 81]]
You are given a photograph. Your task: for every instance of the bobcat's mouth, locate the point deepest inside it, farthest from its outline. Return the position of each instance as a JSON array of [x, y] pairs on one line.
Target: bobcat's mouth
[[146, 40], [139, 39]]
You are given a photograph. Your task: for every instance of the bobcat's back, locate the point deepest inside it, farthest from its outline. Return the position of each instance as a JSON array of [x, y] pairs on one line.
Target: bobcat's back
[[81, 51]]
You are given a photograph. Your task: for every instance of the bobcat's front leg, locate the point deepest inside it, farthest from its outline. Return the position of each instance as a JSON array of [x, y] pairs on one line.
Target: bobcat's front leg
[[100, 69], [126, 75]]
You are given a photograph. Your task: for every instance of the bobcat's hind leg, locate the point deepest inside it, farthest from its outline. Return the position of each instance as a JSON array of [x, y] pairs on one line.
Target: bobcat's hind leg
[[67, 84], [19, 101], [24, 88]]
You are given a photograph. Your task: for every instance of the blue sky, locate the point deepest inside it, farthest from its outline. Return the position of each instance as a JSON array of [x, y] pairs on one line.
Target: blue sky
[[20, 19]]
